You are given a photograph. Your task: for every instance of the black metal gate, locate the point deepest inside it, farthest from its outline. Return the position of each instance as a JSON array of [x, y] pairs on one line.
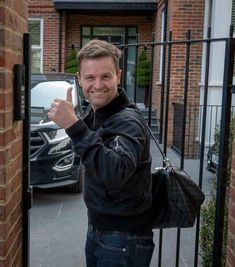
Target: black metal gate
[[26, 190], [185, 129]]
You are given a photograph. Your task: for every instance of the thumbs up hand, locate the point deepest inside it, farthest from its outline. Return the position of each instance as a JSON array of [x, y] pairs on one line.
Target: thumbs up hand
[[69, 97], [62, 111]]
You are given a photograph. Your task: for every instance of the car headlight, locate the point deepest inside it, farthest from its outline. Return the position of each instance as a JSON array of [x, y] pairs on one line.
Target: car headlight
[[56, 135], [65, 163]]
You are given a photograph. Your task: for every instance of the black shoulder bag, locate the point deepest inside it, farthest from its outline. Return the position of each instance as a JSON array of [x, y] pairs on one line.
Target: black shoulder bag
[[176, 197]]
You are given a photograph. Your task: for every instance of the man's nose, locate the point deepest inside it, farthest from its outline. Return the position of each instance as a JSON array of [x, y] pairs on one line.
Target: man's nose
[[98, 83]]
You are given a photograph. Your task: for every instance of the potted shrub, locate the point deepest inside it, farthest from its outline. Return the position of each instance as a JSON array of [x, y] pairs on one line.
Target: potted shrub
[[71, 65], [143, 76]]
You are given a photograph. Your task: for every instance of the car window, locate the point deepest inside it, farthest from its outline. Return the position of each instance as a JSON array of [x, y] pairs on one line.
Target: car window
[[44, 93]]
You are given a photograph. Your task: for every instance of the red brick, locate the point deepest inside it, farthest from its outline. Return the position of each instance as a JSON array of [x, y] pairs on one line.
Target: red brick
[[13, 17], [6, 137]]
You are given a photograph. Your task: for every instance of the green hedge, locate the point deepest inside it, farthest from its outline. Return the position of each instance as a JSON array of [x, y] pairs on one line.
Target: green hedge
[[207, 228], [208, 212]]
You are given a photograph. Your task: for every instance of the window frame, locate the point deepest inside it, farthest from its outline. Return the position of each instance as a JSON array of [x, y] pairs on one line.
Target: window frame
[[40, 46], [233, 14], [92, 29]]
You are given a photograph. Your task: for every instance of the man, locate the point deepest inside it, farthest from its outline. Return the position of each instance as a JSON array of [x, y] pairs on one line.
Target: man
[[113, 143]]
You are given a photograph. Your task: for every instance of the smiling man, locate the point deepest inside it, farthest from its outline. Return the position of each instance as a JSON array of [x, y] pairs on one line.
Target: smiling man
[[113, 143]]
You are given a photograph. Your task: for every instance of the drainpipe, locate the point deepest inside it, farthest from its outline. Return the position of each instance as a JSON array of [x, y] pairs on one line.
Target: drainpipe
[[210, 6]]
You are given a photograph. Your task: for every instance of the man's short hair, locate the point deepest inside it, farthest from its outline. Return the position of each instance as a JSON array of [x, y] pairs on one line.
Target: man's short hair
[[98, 48]]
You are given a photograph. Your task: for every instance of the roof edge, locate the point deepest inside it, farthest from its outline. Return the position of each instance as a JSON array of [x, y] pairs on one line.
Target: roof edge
[[104, 6]]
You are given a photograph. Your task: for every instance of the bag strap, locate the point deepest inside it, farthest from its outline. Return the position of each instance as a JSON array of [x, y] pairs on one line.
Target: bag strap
[[166, 161], [155, 141]]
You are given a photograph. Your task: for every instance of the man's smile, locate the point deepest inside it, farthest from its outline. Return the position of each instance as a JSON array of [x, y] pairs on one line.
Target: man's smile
[[95, 92]]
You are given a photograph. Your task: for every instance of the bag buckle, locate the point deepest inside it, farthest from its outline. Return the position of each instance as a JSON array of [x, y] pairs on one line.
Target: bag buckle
[[166, 165]]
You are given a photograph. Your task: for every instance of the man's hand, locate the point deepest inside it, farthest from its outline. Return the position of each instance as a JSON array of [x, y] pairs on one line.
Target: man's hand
[[62, 111]]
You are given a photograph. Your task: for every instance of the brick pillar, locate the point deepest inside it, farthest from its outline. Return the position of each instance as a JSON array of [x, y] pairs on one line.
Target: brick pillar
[[13, 23], [230, 258]]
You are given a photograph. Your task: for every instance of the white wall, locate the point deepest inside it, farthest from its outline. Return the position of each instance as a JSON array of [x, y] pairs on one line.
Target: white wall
[[221, 20], [220, 24]]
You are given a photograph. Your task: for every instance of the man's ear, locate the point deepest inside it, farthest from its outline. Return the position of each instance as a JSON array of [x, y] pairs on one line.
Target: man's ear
[[119, 75], [79, 78]]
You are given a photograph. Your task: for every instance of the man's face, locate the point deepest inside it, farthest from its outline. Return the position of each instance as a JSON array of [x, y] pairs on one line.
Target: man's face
[[99, 80]]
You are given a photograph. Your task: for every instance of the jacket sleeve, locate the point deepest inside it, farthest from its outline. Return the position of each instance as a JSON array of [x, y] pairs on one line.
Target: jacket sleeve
[[113, 154]]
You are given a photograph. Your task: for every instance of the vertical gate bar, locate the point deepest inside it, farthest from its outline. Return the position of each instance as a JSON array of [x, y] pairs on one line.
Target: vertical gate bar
[[136, 64], [200, 119], [216, 114], [162, 105], [223, 148], [151, 82], [60, 42], [122, 67], [160, 248], [194, 129], [167, 92], [124, 61], [163, 71], [189, 128], [188, 44], [26, 153], [210, 128], [165, 136], [203, 135]]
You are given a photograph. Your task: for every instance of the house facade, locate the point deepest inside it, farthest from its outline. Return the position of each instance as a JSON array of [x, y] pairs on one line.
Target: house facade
[[58, 26], [61, 26]]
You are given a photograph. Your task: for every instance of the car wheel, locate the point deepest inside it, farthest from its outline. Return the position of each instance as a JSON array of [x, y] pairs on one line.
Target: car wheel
[[78, 186]]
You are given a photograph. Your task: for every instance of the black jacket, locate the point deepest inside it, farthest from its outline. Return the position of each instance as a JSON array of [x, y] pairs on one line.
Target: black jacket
[[113, 144]]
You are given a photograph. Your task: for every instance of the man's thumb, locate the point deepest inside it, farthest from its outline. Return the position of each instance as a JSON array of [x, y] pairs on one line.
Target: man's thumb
[[69, 94]]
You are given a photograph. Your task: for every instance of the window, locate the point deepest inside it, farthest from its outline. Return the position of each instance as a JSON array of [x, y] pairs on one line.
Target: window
[[116, 35], [233, 13], [36, 33]]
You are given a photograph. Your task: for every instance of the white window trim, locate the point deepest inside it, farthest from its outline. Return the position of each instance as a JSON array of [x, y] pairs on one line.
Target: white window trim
[[41, 40]]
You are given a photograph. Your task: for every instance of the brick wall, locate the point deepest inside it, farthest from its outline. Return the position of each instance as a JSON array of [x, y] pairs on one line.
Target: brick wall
[[13, 23]]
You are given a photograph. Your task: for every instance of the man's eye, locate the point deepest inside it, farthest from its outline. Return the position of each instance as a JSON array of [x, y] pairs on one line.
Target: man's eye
[[106, 77], [89, 78]]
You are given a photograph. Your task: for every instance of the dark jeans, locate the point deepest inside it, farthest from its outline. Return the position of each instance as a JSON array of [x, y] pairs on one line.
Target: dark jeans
[[118, 249]]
